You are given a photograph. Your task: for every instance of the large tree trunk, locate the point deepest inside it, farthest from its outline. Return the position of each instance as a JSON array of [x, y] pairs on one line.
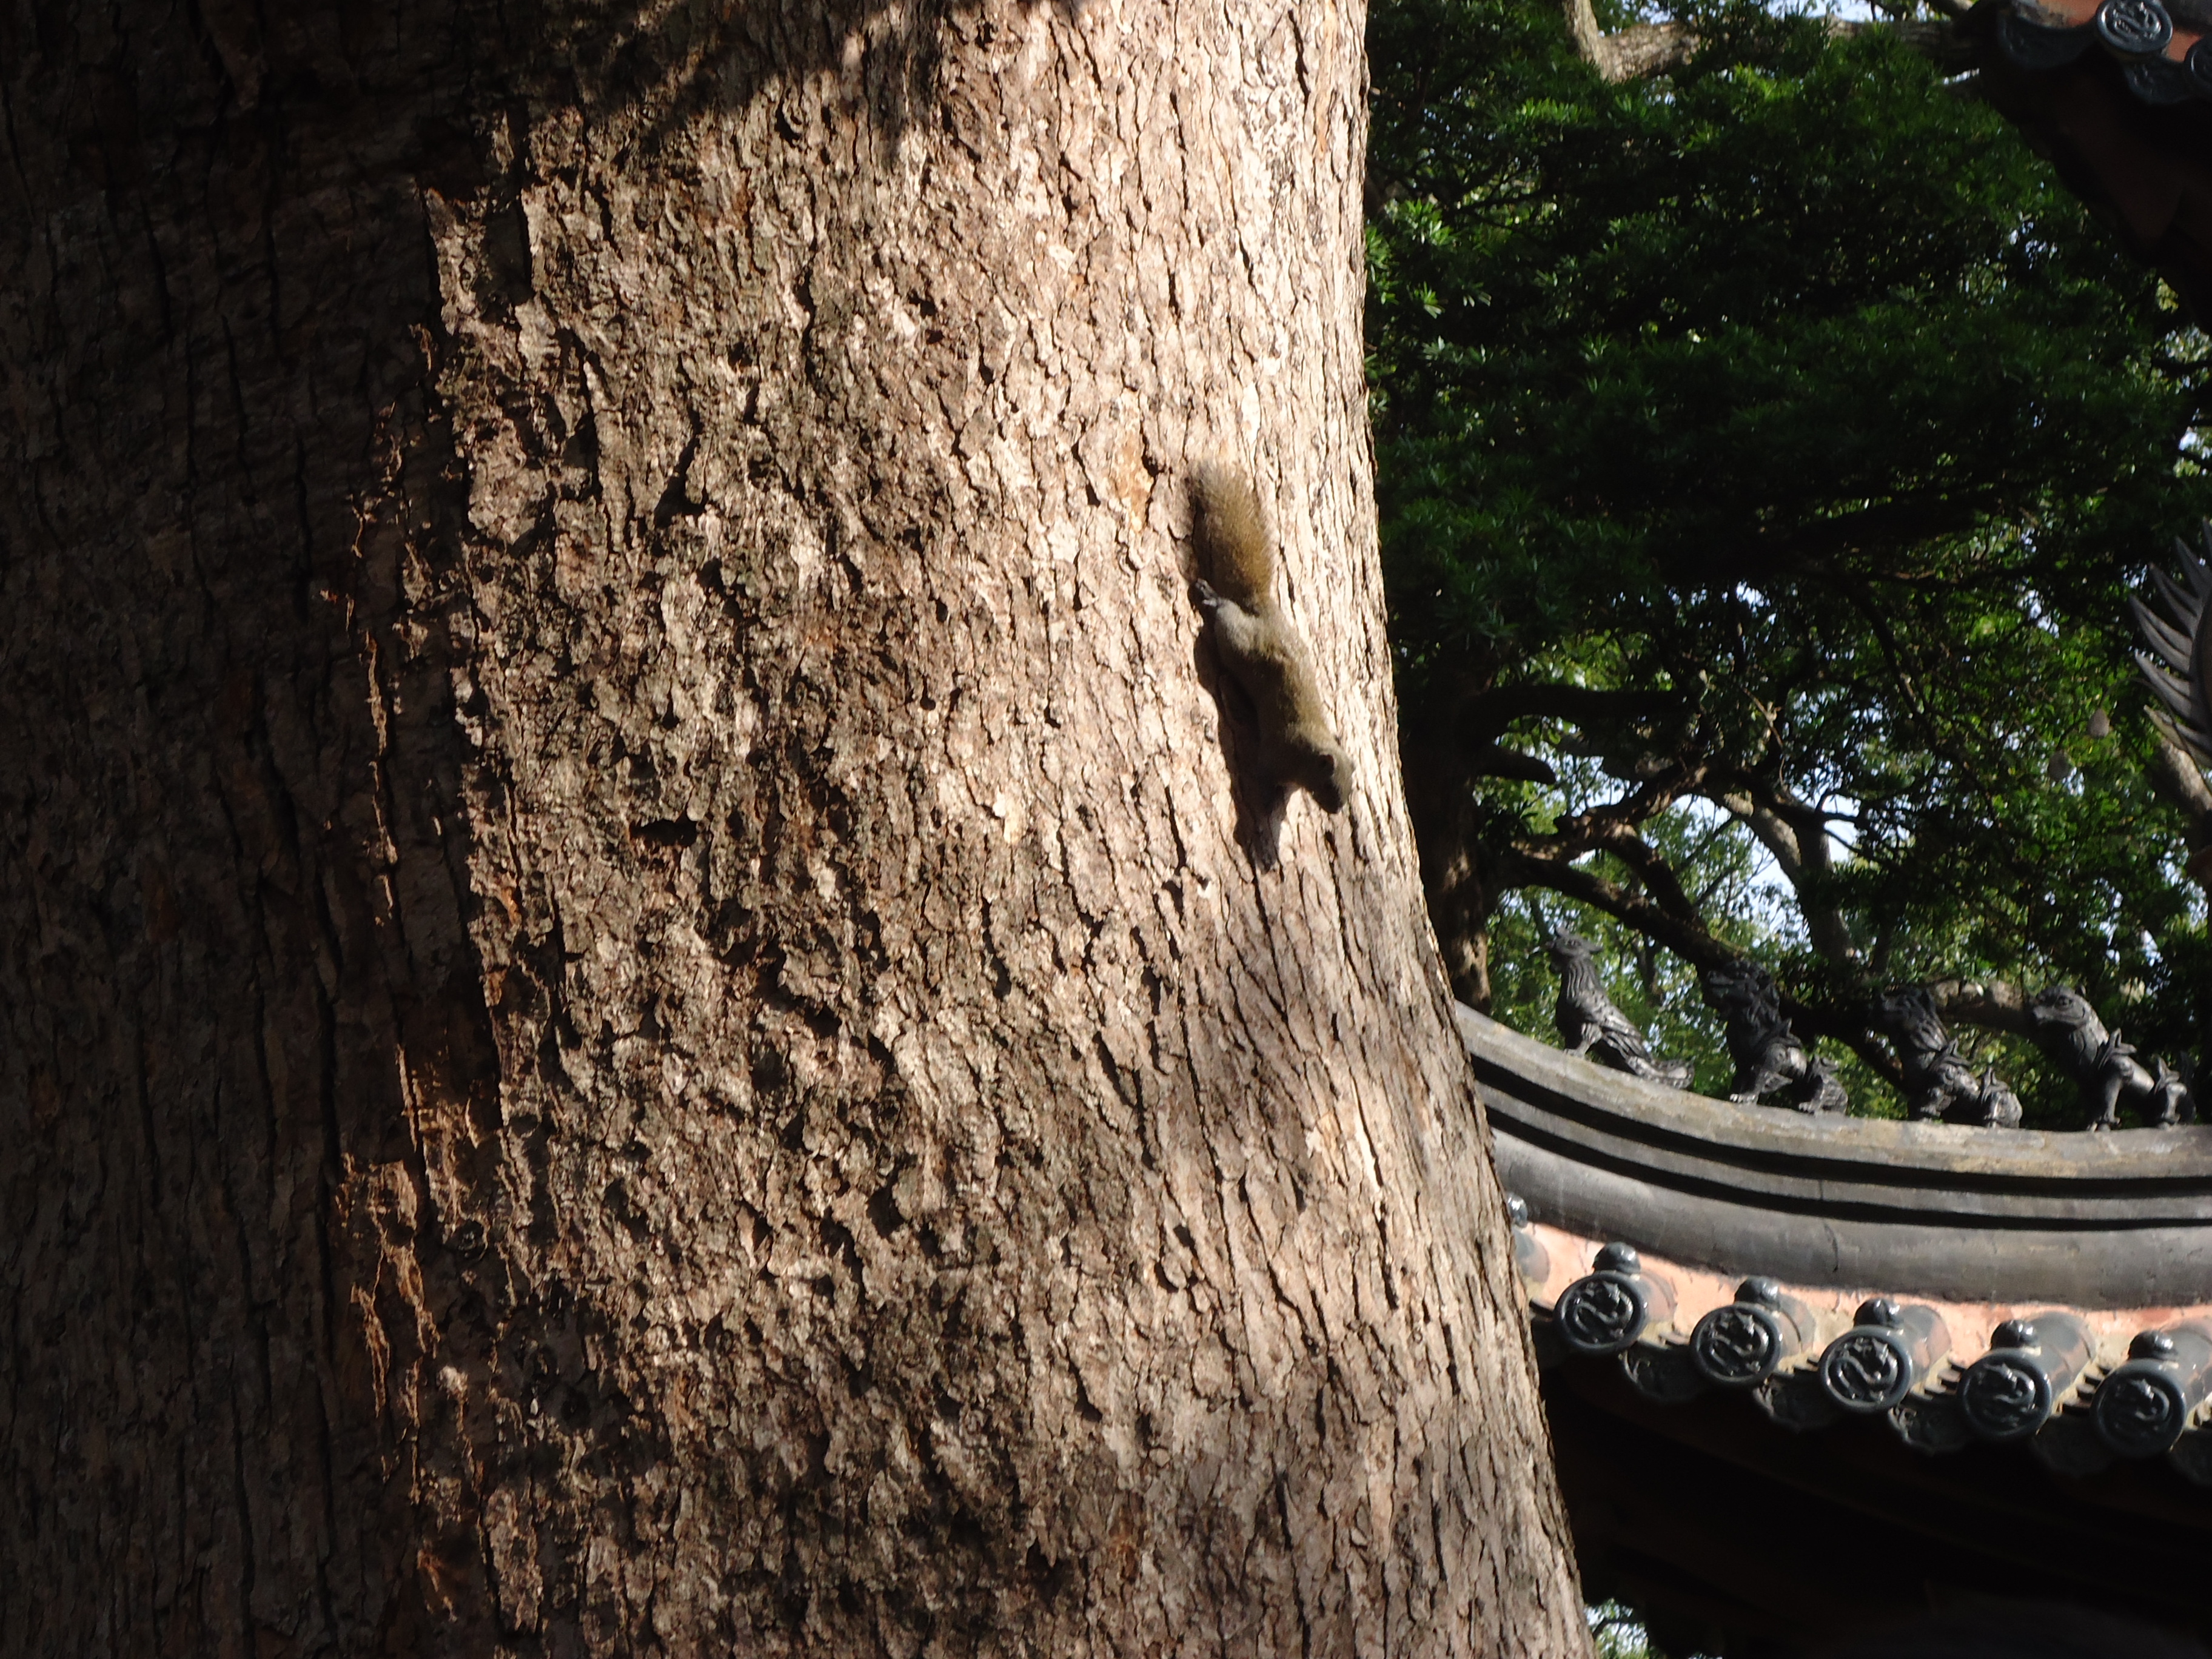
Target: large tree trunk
[[1457, 873], [643, 1011]]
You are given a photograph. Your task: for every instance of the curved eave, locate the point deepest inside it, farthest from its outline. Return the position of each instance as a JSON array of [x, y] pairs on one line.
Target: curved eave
[[2144, 166], [2091, 1221]]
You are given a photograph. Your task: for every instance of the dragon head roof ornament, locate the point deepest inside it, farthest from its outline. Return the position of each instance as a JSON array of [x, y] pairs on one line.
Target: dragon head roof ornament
[[2176, 667]]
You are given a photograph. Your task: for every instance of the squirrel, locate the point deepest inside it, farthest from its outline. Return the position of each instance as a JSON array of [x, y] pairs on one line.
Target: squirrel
[[1260, 648]]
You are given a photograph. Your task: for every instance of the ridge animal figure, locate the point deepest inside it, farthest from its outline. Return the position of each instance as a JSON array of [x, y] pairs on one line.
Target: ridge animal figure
[[1590, 1025], [1768, 1053], [1937, 1079], [2066, 1028], [1998, 1106], [1819, 1091]]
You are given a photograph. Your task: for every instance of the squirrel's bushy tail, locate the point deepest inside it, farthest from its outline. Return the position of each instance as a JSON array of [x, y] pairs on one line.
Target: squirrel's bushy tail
[[1229, 534]]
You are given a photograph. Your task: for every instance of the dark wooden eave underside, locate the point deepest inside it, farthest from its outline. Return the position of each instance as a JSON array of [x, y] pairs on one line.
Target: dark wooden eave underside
[[2145, 168]]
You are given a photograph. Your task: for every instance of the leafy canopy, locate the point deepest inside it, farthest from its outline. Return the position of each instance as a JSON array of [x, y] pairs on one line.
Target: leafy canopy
[[1788, 401]]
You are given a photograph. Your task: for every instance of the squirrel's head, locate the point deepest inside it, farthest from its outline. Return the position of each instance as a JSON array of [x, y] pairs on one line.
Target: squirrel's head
[[1331, 776]]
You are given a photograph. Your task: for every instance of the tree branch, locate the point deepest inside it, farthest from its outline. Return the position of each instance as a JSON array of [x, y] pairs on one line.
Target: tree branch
[[1613, 830], [1485, 715], [2175, 779], [1689, 940], [1796, 833], [1686, 939], [1995, 1005], [1497, 706], [1644, 49], [1648, 49]]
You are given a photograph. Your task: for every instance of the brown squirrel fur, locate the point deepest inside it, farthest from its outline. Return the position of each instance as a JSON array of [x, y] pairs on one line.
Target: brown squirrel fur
[[1260, 648]]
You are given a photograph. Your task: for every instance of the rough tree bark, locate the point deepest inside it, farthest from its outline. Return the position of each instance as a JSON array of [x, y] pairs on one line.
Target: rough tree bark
[[643, 1010]]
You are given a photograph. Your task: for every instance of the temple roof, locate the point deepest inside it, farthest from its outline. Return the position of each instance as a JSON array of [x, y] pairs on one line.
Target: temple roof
[[1987, 1353], [2095, 1221], [2119, 95]]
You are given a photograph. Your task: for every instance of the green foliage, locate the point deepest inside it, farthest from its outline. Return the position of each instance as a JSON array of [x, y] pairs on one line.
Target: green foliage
[[1793, 393], [1614, 1632], [1656, 990], [1617, 1632]]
